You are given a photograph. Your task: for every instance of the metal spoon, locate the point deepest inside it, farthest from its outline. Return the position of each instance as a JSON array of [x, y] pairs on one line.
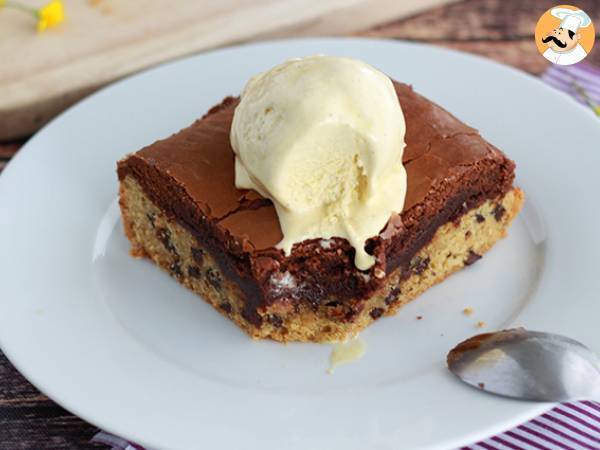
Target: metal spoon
[[528, 365]]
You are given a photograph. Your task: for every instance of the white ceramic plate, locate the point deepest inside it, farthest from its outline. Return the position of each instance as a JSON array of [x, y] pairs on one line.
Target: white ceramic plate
[[117, 342]]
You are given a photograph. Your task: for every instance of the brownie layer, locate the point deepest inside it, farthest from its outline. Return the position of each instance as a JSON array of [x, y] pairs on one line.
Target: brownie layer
[[190, 176]]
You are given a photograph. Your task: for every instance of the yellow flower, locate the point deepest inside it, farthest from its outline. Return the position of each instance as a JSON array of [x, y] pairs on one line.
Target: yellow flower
[[50, 15]]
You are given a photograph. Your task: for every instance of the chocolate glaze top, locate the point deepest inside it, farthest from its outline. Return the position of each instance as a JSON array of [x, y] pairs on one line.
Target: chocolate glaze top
[[200, 159]]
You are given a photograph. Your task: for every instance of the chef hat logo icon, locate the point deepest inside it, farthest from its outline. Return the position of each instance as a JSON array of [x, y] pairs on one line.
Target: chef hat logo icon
[[564, 35]]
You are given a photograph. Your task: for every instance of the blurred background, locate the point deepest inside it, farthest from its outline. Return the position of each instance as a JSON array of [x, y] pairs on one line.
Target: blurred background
[[53, 54]]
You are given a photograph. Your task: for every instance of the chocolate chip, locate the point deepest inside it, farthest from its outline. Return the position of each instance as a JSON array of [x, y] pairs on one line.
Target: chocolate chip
[[479, 218], [175, 269], [198, 256], [151, 217], [472, 258], [275, 320], [194, 272], [467, 234], [164, 236], [226, 307], [213, 278], [252, 316], [498, 212], [376, 313], [392, 296], [419, 264], [350, 315]]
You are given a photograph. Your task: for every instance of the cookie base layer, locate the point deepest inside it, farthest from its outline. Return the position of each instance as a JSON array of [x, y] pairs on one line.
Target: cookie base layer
[[455, 245]]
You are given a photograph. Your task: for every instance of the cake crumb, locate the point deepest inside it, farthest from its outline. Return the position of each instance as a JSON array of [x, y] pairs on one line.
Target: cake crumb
[[468, 311], [481, 324], [481, 385], [419, 317]]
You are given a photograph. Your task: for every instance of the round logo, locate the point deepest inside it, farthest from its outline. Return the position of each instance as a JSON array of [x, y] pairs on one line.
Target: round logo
[[564, 35]]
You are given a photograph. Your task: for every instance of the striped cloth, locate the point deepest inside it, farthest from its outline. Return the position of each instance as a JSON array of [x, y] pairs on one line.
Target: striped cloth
[[114, 442], [570, 426], [581, 81]]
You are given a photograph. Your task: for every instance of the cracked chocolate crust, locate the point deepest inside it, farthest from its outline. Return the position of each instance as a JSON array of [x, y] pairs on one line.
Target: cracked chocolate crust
[[190, 177]]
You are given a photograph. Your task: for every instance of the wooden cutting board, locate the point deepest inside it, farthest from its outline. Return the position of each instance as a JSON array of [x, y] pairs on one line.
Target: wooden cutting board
[[103, 40]]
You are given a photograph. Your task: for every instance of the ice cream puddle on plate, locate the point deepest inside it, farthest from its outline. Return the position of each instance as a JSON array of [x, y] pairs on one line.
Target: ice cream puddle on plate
[[346, 352], [323, 137]]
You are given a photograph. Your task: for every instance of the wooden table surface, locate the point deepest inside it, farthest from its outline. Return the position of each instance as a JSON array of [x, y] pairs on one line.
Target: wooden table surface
[[499, 29]]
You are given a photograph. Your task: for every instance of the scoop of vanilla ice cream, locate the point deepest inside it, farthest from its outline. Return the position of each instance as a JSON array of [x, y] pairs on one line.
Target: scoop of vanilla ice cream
[[323, 138]]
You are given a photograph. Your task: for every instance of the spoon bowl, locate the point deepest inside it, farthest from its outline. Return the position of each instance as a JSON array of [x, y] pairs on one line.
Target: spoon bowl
[[528, 365]]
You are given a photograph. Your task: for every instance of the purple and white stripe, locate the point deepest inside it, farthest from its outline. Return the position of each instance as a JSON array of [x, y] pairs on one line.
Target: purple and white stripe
[[584, 74], [114, 442], [570, 426]]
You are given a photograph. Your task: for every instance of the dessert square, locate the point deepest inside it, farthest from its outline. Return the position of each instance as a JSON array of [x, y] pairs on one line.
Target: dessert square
[[181, 209]]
